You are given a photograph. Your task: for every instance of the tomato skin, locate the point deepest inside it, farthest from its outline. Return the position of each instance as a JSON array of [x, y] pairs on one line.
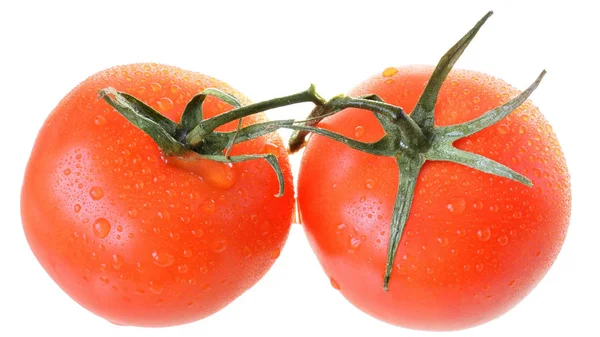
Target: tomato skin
[[474, 244], [132, 238]]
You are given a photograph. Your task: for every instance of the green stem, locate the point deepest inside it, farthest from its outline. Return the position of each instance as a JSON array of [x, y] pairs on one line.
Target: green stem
[[209, 125]]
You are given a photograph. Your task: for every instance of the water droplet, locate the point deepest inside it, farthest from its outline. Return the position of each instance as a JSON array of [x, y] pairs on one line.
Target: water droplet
[[155, 87], [503, 129], [370, 183], [117, 261], [271, 148], [484, 234], [155, 287], [517, 215], [246, 251], [512, 283], [389, 72], [162, 259], [187, 253], [77, 208], [443, 241], [104, 280], [198, 232], [457, 206], [67, 171], [99, 120], [164, 104], [355, 242], [132, 213], [175, 89], [101, 228], [218, 245], [207, 207], [525, 118], [334, 283], [476, 99], [275, 253], [538, 254], [522, 129], [96, 193], [359, 131], [503, 240], [479, 266], [182, 268]]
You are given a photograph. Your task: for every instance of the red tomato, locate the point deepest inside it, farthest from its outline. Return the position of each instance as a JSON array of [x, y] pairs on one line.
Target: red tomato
[[133, 238], [474, 244]]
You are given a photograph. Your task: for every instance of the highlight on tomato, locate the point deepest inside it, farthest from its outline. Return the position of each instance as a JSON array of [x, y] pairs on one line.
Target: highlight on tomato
[[151, 202], [436, 199]]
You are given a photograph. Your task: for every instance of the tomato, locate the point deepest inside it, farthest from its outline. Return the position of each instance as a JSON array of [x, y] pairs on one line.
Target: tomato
[[134, 238], [474, 244]]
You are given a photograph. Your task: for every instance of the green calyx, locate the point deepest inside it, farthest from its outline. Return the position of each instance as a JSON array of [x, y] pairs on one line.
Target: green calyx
[[413, 139], [196, 134]]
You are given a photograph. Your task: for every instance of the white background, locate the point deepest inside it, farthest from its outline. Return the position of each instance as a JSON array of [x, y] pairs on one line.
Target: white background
[[48, 47]]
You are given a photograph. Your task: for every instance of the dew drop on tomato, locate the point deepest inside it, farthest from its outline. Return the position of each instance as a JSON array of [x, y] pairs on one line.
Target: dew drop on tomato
[[101, 228], [503, 240], [156, 287], [156, 87], [443, 241], [198, 232], [275, 253], [503, 129], [271, 148], [99, 120], [164, 104], [96, 193], [334, 283], [182, 268], [484, 234], [218, 245], [117, 261], [359, 131], [132, 213], [457, 206], [207, 207], [389, 72], [354, 242], [162, 259], [370, 183]]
